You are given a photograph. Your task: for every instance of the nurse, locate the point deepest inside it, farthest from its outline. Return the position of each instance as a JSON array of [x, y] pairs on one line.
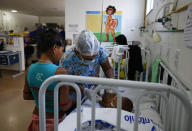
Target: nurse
[[86, 57]]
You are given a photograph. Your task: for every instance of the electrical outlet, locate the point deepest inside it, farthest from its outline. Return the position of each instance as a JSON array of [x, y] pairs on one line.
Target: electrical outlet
[[168, 54], [150, 32], [161, 50], [177, 56]]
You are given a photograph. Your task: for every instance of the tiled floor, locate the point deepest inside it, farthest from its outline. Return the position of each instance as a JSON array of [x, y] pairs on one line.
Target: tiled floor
[[15, 113]]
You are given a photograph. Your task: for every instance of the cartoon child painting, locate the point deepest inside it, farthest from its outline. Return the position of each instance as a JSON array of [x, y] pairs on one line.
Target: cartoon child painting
[[110, 22]]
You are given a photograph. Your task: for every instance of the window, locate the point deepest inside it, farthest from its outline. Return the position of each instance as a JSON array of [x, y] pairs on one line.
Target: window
[[150, 4]]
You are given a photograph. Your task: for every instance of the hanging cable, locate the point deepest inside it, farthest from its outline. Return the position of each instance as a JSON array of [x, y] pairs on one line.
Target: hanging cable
[[101, 36]]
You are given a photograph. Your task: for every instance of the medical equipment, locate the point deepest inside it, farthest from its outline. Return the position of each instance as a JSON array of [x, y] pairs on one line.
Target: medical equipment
[[17, 57], [168, 114], [89, 93], [156, 36], [9, 58]]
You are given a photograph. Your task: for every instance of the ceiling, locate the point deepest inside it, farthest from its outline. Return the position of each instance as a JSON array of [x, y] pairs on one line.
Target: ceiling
[[35, 7]]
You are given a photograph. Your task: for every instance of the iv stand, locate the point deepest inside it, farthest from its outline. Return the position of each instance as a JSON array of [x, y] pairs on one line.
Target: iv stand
[[101, 36]]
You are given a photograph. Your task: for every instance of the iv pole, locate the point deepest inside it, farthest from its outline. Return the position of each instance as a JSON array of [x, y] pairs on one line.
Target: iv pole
[[101, 36]]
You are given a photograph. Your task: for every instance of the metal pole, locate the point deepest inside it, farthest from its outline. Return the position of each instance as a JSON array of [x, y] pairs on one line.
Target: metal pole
[[101, 37], [138, 105], [119, 105], [172, 75], [56, 92]]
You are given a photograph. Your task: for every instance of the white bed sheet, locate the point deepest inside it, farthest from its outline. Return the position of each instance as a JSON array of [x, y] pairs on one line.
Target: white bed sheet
[[109, 115], [150, 120], [147, 110]]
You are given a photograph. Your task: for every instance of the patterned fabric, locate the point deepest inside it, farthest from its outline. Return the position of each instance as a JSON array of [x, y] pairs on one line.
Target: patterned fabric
[[34, 125], [99, 125], [75, 66]]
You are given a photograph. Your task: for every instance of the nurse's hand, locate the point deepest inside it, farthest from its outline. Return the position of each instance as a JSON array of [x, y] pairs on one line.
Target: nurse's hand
[[89, 94]]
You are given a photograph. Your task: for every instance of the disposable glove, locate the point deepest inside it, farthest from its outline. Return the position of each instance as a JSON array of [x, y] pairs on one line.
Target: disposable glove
[[89, 94]]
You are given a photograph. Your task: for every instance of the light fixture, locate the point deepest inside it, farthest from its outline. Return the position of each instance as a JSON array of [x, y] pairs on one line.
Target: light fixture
[[14, 11]]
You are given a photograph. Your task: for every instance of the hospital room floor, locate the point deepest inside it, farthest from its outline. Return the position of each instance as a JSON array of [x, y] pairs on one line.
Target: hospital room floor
[[15, 112]]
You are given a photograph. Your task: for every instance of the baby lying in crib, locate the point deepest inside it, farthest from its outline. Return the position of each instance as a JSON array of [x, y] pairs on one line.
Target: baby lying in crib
[[109, 100]]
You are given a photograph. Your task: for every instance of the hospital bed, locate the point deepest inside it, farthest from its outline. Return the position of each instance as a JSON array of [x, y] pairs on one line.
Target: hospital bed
[[172, 100]]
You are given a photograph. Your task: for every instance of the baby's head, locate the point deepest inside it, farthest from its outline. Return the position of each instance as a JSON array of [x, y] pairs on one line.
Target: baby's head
[[110, 10], [109, 100], [127, 104]]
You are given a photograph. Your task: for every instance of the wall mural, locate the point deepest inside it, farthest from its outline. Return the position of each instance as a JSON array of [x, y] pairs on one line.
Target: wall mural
[[111, 23]]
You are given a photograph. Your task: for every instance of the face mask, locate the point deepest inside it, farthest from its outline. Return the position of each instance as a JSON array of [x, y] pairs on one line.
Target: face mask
[[88, 62]]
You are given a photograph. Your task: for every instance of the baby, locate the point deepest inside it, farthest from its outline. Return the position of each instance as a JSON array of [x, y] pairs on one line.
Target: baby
[[109, 100]]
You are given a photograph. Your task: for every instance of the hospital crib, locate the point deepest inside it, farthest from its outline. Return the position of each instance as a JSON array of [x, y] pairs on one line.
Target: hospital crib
[[177, 115], [144, 76], [171, 97]]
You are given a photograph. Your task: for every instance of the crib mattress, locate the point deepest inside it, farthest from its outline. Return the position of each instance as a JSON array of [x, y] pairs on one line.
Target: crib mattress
[[107, 117]]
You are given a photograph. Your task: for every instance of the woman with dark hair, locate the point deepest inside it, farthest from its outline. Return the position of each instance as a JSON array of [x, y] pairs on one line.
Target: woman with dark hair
[[110, 23], [121, 40], [51, 46]]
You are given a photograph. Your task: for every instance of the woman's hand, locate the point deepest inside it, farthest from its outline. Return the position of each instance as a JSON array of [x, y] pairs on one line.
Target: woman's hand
[[89, 94]]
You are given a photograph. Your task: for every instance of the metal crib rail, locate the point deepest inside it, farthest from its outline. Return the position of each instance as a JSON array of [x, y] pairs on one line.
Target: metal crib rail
[[178, 114], [119, 104], [56, 91], [138, 105], [109, 82], [147, 58], [173, 76]]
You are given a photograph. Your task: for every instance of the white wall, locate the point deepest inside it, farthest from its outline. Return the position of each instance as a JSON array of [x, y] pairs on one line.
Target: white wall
[[58, 20], [132, 17], [174, 42], [16, 21]]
